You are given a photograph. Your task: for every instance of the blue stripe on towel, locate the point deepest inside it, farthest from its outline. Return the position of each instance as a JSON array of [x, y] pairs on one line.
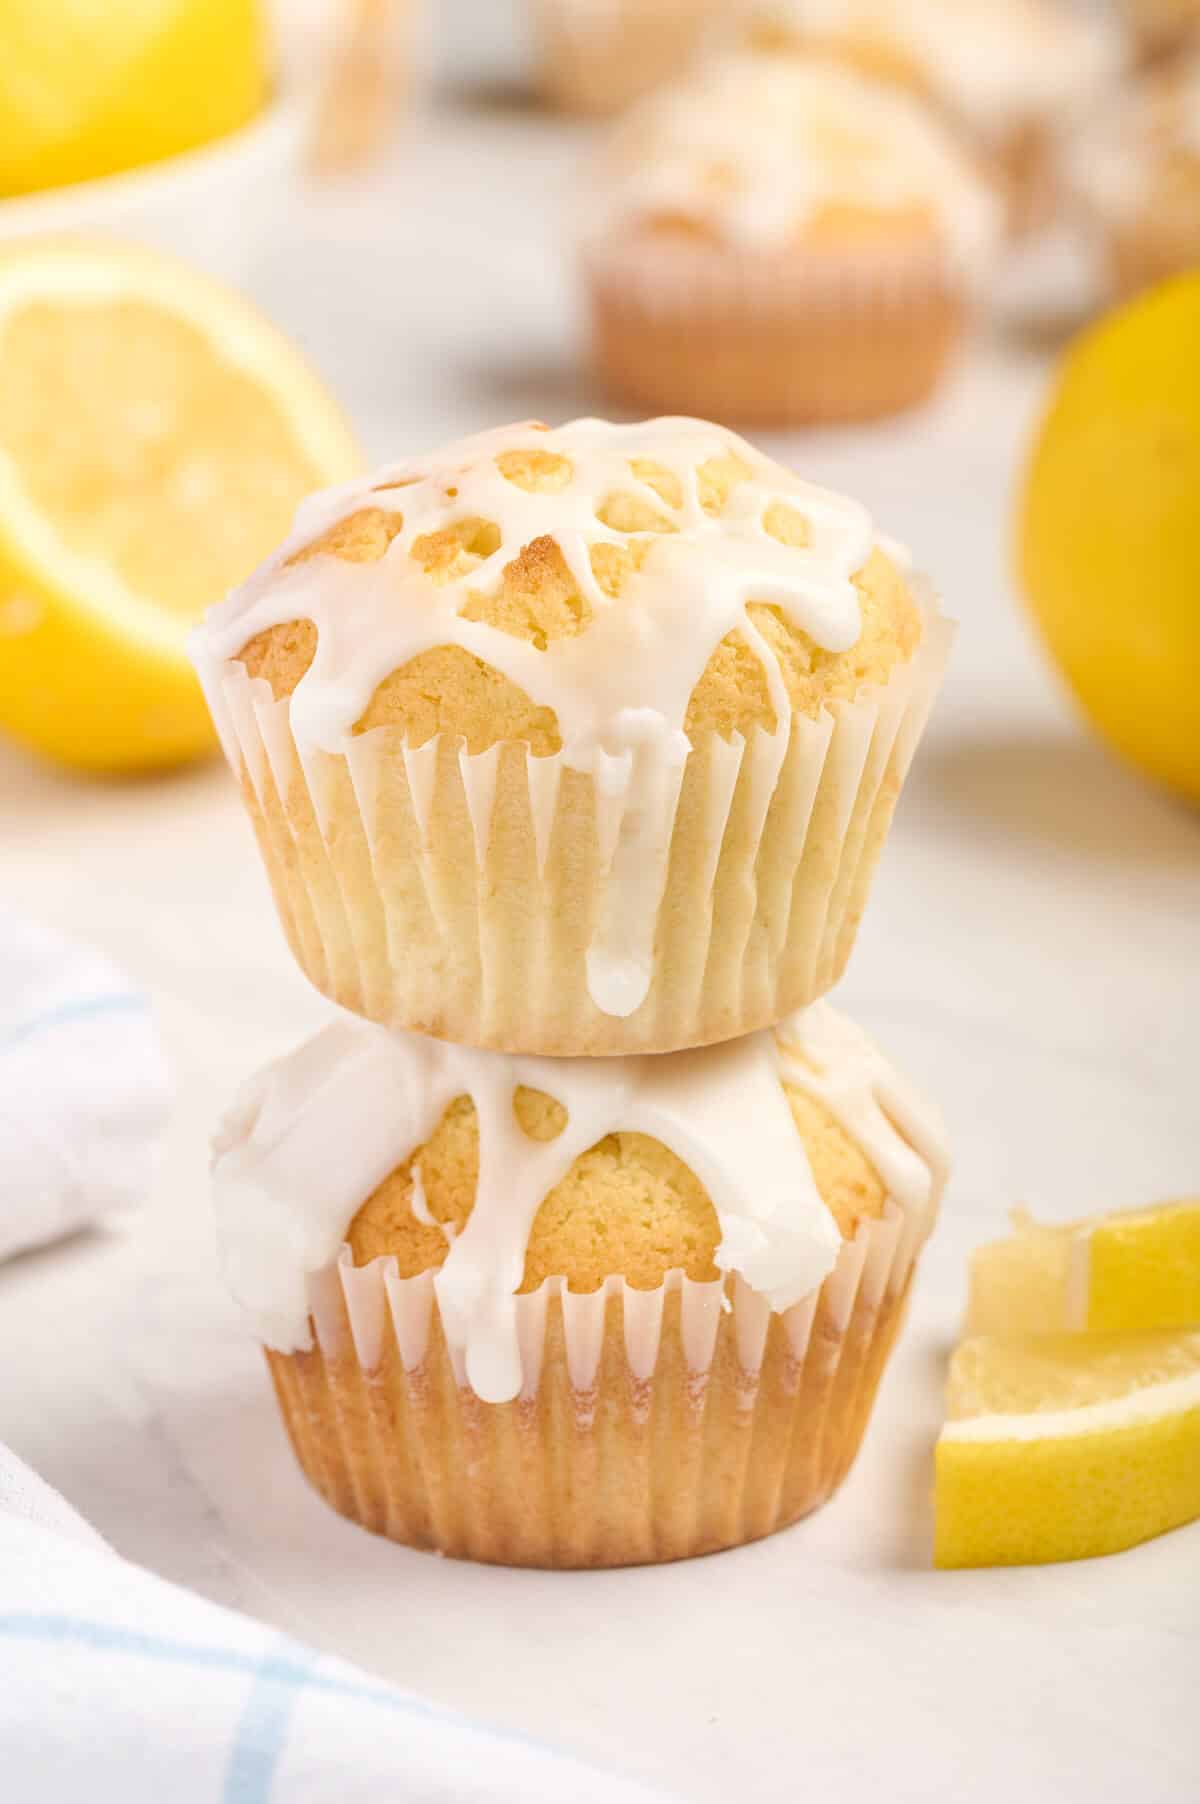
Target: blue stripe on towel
[[117, 1002], [262, 1731], [296, 1671]]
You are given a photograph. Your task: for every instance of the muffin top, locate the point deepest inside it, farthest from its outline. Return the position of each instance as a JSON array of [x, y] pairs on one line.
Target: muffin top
[[996, 63], [590, 591], [496, 1172], [763, 153], [1143, 154]]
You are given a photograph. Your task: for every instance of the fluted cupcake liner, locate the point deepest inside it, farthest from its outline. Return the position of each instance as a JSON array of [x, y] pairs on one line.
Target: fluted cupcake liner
[[651, 1425], [489, 899], [774, 338]]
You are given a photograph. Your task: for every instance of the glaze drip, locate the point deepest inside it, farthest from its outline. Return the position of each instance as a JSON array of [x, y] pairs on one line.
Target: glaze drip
[[314, 1134], [627, 677]]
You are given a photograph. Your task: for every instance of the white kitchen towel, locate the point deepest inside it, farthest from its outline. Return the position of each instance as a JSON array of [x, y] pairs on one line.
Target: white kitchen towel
[[122, 1689], [83, 1087]]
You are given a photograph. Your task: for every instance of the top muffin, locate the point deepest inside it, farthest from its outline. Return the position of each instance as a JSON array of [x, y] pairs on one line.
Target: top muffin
[[530, 728]]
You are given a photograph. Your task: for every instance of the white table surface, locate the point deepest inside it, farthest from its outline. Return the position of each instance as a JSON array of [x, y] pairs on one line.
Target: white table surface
[[1030, 955]]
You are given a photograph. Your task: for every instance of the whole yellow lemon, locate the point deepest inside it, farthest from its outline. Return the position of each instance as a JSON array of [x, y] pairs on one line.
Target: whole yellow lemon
[[1109, 529]]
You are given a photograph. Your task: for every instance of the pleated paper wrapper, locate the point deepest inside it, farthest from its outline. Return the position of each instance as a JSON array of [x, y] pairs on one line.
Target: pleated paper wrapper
[[486, 899], [774, 338], [650, 1425]]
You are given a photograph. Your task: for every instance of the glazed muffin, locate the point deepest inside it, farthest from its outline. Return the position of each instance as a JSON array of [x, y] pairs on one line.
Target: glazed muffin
[[1137, 175], [598, 57], [577, 1312], [1009, 74], [575, 741], [782, 241]]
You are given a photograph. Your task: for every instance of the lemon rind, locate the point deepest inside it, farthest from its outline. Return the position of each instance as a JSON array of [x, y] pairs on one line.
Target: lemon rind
[[1154, 1402]]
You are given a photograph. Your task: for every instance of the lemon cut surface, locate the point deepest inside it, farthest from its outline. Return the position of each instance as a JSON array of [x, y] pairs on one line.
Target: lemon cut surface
[[1133, 1271], [156, 435], [1063, 1447]]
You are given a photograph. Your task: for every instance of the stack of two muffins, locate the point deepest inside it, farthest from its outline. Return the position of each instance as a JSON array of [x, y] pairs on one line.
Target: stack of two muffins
[[570, 754]]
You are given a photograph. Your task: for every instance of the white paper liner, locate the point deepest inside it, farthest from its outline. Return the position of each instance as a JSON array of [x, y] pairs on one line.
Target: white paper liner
[[494, 899], [607, 1457], [359, 1304]]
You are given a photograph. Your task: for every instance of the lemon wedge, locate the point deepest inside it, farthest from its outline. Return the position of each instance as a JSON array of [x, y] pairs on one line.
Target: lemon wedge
[[1066, 1446], [156, 435], [1135, 1270], [87, 90]]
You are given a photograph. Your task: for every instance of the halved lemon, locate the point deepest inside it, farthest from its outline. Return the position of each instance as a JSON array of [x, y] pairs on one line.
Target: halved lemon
[[1066, 1446], [89, 89], [1136, 1270], [156, 435]]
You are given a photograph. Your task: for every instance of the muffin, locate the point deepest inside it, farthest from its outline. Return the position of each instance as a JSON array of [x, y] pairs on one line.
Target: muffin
[[1161, 27], [581, 741], [1008, 73], [782, 241], [597, 58], [1137, 175], [577, 1312]]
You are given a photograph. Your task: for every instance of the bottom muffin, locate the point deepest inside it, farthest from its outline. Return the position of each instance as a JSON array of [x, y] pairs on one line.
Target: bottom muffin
[[571, 1312]]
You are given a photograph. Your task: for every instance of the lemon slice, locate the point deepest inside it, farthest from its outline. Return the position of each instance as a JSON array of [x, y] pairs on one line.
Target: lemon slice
[[89, 89], [156, 435], [1131, 1271], [1066, 1446]]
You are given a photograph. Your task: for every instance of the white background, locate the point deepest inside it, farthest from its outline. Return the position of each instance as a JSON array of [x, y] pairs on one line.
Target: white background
[[1030, 956]]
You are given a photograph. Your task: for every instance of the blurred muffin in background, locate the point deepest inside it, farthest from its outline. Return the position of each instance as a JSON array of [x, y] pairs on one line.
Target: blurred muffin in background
[[1136, 173], [1009, 73], [596, 56], [781, 240], [1159, 27]]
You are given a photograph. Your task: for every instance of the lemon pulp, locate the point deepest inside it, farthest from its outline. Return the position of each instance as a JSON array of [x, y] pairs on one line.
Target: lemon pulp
[[156, 435], [1064, 1447]]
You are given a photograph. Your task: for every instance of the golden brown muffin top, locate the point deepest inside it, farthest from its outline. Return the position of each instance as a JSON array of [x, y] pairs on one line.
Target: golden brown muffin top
[[628, 1205], [494, 1172], [576, 590]]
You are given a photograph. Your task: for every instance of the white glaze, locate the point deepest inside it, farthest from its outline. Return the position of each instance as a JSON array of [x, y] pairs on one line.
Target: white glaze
[[620, 688], [755, 147], [314, 1134], [997, 63]]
